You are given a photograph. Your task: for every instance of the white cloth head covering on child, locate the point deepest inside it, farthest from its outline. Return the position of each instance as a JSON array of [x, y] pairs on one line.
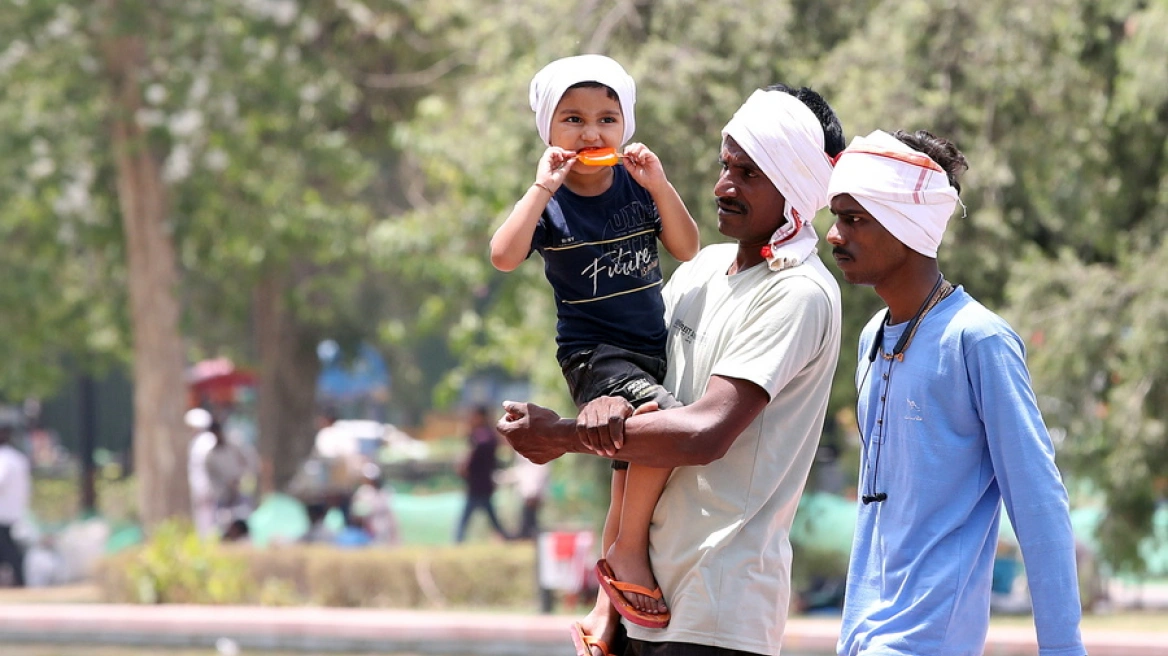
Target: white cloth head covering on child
[[902, 188], [549, 85], [785, 139]]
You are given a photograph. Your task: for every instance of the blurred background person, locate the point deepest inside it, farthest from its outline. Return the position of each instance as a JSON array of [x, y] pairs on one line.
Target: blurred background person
[[372, 503], [227, 465], [478, 469], [15, 491], [317, 531], [531, 481], [354, 534], [202, 496], [237, 531]]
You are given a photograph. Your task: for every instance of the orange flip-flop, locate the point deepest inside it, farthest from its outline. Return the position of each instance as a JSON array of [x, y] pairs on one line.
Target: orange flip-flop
[[585, 642], [615, 590]]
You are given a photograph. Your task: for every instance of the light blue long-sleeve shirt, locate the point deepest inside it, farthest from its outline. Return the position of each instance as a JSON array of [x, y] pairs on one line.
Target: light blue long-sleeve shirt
[[950, 433]]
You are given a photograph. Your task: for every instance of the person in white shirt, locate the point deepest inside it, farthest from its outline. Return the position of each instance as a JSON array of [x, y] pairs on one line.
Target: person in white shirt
[[531, 482], [371, 502], [202, 496], [227, 465], [15, 490]]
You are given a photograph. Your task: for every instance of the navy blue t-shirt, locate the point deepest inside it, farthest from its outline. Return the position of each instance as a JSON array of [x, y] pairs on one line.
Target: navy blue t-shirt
[[600, 256]]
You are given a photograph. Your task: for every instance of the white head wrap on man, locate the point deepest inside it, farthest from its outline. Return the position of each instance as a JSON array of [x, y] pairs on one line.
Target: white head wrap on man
[[549, 85], [902, 188], [785, 139]]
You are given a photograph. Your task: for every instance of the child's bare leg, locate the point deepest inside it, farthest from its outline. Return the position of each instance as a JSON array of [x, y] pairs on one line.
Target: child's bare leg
[[602, 621], [629, 554], [616, 501]]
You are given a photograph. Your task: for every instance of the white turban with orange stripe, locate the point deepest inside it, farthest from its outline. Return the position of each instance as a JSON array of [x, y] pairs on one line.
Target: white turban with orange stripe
[[902, 188], [550, 83]]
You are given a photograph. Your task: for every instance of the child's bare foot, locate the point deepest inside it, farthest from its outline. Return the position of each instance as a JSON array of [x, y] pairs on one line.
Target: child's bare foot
[[632, 566]]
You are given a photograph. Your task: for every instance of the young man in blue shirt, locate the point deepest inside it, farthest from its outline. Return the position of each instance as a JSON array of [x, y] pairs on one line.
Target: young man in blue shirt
[[950, 427]]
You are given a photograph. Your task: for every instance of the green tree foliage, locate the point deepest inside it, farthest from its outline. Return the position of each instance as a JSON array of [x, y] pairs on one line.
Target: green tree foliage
[[63, 251], [84, 166], [247, 120], [1088, 299]]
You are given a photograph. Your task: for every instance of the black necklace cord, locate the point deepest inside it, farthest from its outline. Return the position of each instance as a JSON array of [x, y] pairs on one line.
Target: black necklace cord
[[941, 289]]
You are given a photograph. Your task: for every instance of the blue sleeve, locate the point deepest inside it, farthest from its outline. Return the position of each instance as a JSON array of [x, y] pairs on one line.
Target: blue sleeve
[[1036, 501]]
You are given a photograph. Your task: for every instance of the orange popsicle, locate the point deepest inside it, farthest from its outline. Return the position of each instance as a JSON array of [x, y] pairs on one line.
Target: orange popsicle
[[598, 156]]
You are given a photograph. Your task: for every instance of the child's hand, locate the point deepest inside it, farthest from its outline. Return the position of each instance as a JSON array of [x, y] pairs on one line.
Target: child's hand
[[553, 167], [644, 166]]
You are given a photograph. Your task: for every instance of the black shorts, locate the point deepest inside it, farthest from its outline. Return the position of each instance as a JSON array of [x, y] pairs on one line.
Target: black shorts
[[612, 371]]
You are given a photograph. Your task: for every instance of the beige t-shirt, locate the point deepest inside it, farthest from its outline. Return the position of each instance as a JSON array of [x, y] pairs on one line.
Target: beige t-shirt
[[719, 539]]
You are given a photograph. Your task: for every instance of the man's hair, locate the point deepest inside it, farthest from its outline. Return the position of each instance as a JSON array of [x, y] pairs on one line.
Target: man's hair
[[941, 151], [833, 131], [595, 85]]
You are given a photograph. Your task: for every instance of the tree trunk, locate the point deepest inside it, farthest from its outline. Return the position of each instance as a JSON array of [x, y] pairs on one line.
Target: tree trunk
[[289, 368], [160, 438]]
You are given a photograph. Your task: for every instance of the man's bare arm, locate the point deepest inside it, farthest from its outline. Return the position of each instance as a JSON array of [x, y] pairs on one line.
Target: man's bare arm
[[696, 434]]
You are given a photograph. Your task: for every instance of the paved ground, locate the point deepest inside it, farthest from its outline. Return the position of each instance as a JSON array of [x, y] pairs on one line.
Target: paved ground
[[384, 631]]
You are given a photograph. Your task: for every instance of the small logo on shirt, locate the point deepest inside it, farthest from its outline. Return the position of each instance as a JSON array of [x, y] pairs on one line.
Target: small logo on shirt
[[914, 411], [683, 331]]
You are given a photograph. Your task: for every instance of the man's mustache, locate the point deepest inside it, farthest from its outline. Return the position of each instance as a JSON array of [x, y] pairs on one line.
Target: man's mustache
[[730, 205]]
